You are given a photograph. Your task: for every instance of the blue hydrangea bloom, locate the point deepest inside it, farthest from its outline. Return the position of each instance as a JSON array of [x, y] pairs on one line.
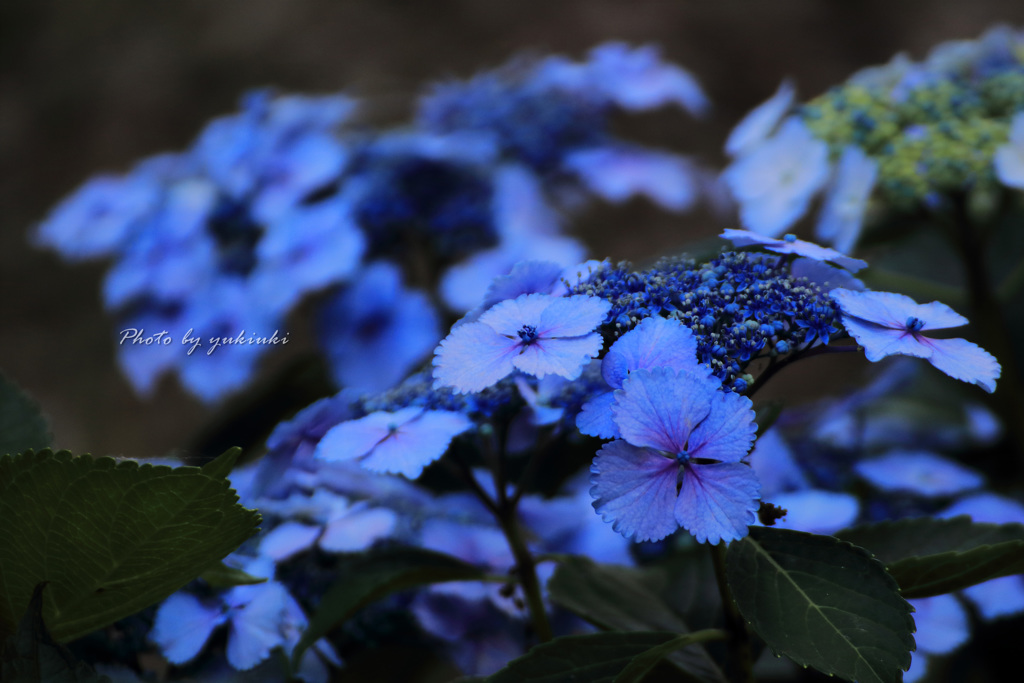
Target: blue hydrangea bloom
[[401, 442], [618, 173], [885, 324], [775, 182], [757, 125], [679, 461], [919, 472], [789, 244], [535, 333], [816, 511], [842, 215], [942, 626], [376, 330], [655, 342]]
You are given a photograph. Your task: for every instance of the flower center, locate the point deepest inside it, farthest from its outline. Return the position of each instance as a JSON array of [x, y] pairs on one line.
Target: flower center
[[528, 334], [914, 324], [789, 237]]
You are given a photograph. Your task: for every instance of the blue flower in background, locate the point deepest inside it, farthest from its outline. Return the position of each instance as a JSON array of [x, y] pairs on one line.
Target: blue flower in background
[[679, 461], [537, 334], [1009, 159], [401, 442], [842, 215], [919, 472], [775, 182], [376, 330], [761, 122], [885, 324]]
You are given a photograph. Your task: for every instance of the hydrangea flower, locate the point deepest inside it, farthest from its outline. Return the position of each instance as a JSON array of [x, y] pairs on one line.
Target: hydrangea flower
[[679, 461], [816, 511], [885, 324], [535, 333], [761, 121], [376, 330], [942, 626], [789, 244], [919, 472], [401, 442], [655, 342], [775, 182], [842, 215]]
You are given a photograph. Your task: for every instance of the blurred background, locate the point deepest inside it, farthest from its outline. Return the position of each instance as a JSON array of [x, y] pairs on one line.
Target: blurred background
[[96, 86]]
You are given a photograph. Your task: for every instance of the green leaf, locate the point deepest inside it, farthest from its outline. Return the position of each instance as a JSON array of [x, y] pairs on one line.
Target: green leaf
[[22, 426], [373, 576], [930, 556], [32, 656], [621, 599], [108, 538], [823, 603], [221, 575], [593, 658], [221, 466], [642, 664]]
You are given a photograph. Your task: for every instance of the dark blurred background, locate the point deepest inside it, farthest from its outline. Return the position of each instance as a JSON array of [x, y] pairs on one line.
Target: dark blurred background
[[94, 86]]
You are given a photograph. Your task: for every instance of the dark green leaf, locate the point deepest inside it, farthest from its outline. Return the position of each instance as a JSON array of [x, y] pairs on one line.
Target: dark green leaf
[[221, 466], [642, 664], [621, 599], [372, 577], [108, 538], [823, 603], [221, 575], [930, 556], [22, 426], [31, 655], [593, 658]]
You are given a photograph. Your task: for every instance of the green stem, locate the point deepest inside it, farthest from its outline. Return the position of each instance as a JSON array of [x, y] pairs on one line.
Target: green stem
[[741, 653]]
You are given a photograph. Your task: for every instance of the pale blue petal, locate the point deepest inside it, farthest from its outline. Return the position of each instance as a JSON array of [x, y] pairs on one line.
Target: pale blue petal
[[775, 466], [757, 125], [618, 173], [635, 490], [473, 357], [942, 624], [1009, 159], [256, 625], [816, 511], [727, 432], [526, 277], [417, 443], [356, 438], [564, 357], [636, 78], [572, 316], [743, 238], [358, 530], [880, 341], [655, 342], [842, 215], [893, 310], [987, 507], [659, 408], [920, 472], [717, 502], [825, 276], [1002, 597], [596, 419], [508, 317], [965, 361], [182, 626], [288, 539]]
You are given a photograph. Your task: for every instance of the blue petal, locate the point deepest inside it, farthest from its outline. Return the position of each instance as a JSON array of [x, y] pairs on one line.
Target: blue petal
[[920, 472], [572, 316], [727, 432], [1002, 597], [356, 438], [358, 530], [659, 408], [182, 626], [564, 357], [473, 357], [417, 443], [655, 342], [717, 502], [892, 310], [942, 624], [635, 490], [288, 539], [775, 466], [965, 361], [596, 419], [618, 173], [816, 511], [757, 125], [256, 623]]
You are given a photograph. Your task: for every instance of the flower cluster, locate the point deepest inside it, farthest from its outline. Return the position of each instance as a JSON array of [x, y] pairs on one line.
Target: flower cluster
[[910, 134], [393, 230]]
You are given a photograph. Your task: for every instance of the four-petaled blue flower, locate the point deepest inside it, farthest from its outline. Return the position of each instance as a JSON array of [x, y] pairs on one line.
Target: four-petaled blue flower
[[885, 324], [679, 461], [538, 334]]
